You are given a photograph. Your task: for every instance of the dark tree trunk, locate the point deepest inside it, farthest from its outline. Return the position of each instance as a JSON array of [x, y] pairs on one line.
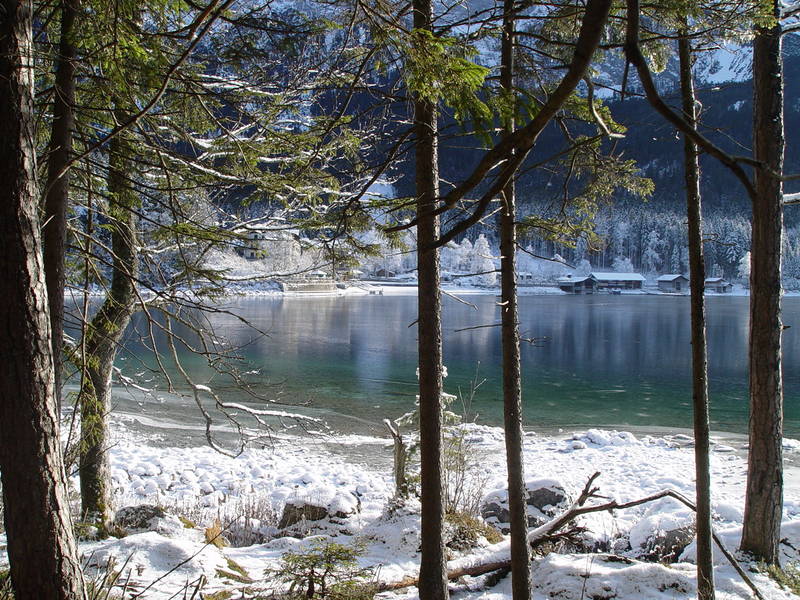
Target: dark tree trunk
[[697, 269], [764, 496], [56, 198], [512, 375], [41, 548], [104, 334], [433, 562]]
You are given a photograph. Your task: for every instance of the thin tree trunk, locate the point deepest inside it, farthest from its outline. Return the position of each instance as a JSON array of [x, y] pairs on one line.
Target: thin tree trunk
[[104, 335], [697, 269], [56, 198], [764, 495], [512, 375], [41, 547], [433, 567]]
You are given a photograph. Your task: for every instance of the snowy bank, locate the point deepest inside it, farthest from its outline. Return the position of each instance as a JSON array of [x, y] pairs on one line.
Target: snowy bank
[[247, 494]]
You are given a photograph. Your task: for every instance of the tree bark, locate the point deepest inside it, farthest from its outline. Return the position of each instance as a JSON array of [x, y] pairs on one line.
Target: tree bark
[[104, 334], [433, 567], [697, 269], [764, 495], [41, 548], [512, 374], [56, 200]]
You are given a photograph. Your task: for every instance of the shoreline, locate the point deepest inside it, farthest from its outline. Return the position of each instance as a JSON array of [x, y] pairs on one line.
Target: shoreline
[[367, 287]]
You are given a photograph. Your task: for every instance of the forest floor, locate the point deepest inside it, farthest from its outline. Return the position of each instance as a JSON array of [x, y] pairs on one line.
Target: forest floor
[[203, 492]]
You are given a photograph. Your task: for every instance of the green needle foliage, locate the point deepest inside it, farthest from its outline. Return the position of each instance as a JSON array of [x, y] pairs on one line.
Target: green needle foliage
[[327, 571]]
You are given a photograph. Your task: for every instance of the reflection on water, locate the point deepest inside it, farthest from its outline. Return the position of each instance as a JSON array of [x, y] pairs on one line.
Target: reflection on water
[[587, 360]]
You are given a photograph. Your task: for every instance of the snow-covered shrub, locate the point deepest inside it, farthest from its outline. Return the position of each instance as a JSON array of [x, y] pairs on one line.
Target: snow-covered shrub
[[464, 481], [248, 519], [788, 577], [465, 531]]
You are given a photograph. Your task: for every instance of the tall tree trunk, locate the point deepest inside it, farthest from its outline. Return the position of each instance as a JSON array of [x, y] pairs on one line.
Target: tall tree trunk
[[41, 548], [512, 374], [104, 334], [56, 198], [433, 562], [764, 496], [697, 276]]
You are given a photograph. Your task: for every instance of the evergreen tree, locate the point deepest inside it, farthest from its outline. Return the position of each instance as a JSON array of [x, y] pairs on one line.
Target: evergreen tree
[[41, 548]]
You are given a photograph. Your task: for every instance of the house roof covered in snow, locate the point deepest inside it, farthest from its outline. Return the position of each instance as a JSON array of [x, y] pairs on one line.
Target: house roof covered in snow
[[570, 279], [715, 280], [670, 277], [618, 276]]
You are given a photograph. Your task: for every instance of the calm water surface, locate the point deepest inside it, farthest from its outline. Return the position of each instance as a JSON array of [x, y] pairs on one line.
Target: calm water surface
[[591, 360]]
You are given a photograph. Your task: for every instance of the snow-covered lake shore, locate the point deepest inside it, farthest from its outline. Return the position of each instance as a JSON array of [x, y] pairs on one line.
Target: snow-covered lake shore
[[248, 493]]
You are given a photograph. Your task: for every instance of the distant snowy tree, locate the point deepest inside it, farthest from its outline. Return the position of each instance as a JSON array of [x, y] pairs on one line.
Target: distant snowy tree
[[525, 261], [465, 255], [483, 262], [581, 247], [621, 237], [393, 261], [584, 267], [651, 259], [622, 264], [450, 257], [675, 265], [744, 266]]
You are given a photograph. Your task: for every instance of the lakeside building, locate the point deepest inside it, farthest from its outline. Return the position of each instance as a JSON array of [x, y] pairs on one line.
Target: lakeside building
[[618, 281], [601, 282], [673, 283], [582, 284], [525, 278], [718, 285], [256, 240], [253, 247]]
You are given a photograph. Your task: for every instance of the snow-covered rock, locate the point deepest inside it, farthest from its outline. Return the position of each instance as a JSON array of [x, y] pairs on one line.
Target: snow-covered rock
[[665, 530], [148, 517], [340, 506], [545, 498]]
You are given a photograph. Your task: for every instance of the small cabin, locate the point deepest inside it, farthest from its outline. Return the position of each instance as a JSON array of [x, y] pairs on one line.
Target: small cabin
[[524, 278], [718, 285], [673, 283], [618, 281], [583, 284], [385, 273], [252, 246]]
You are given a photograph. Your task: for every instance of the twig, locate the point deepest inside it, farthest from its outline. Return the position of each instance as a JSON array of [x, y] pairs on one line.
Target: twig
[[477, 327], [457, 299]]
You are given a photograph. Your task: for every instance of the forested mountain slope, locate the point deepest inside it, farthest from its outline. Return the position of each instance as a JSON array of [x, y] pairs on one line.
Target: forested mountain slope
[[634, 228]]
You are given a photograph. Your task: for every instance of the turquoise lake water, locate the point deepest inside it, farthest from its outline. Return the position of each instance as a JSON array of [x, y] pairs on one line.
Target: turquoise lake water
[[602, 360]]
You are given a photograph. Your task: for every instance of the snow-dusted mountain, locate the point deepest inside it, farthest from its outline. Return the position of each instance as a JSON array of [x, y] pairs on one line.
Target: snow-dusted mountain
[[723, 81]]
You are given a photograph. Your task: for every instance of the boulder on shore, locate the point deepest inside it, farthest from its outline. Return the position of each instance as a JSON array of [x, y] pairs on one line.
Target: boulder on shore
[[340, 506], [147, 517], [545, 499]]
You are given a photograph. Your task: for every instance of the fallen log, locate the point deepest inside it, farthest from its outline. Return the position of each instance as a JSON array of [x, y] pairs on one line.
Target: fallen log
[[500, 558]]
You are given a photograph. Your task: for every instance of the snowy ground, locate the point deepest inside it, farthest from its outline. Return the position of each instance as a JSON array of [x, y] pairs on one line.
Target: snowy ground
[[248, 493]]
